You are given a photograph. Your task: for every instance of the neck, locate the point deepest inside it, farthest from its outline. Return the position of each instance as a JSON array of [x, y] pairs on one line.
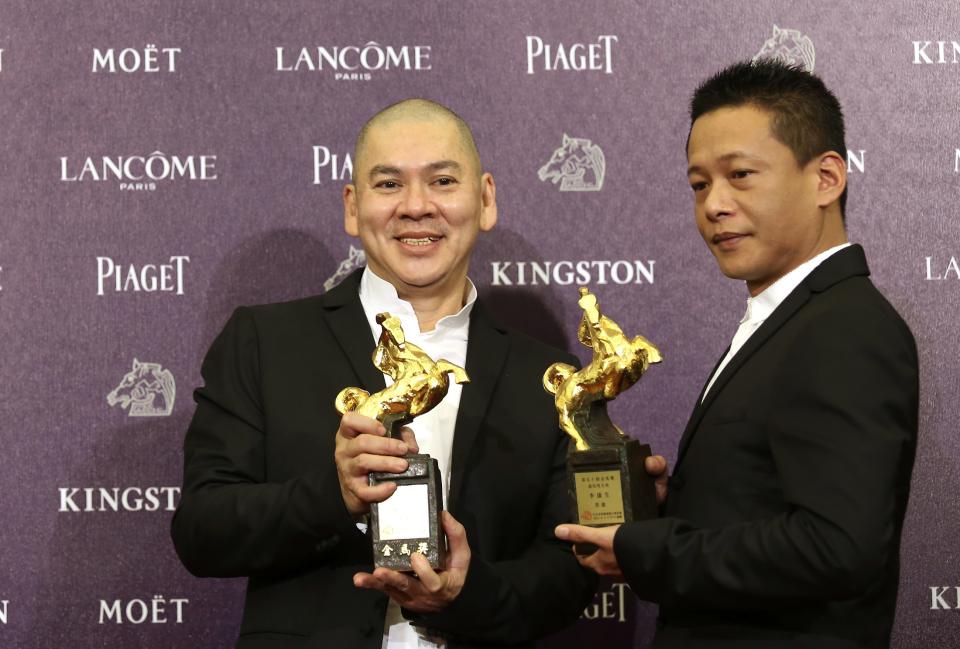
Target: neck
[[432, 305], [432, 302]]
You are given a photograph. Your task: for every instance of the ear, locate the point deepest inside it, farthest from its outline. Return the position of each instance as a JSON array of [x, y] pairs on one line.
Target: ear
[[488, 203], [136, 363], [776, 31], [350, 224], [566, 139], [831, 178]]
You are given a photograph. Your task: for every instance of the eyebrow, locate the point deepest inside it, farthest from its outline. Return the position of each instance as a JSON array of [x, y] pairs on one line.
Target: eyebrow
[[726, 157], [439, 165], [385, 170]]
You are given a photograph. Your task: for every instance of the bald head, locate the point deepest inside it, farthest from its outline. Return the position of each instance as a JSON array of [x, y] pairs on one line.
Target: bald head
[[416, 110]]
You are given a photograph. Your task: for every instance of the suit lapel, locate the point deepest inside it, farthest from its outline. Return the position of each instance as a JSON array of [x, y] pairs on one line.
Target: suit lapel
[[344, 315], [769, 327], [839, 266], [695, 415], [487, 349]]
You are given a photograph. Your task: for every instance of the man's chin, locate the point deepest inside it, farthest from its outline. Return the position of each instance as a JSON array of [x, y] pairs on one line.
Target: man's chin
[[420, 281], [733, 271], [423, 275]]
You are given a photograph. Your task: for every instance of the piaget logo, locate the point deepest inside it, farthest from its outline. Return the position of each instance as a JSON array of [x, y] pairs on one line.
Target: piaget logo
[[336, 166], [114, 277], [129, 60], [578, 57], [608, 604]]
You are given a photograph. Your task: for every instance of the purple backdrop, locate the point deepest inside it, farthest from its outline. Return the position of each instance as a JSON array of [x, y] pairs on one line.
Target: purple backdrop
[[172, 149]]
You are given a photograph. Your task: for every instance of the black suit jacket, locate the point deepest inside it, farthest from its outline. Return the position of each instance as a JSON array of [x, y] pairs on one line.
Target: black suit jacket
[[782, 525], [261, 496]]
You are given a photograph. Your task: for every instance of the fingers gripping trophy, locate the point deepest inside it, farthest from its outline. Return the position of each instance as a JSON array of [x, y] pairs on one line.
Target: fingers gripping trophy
[[606, 478], [409, 520]]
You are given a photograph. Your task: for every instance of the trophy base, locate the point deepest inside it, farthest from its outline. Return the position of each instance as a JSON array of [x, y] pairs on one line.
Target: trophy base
[[608, 485], [409, 520]]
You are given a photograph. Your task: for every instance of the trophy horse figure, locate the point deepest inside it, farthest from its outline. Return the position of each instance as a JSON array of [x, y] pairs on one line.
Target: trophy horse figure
[[618, 362], [419, 383]]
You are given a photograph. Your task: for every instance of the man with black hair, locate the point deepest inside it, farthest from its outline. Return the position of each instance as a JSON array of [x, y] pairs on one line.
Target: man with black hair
[[782, 523]]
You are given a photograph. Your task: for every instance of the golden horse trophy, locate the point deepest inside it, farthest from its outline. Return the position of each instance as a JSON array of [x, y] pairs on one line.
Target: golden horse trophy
[[606, 479], [409, 520]]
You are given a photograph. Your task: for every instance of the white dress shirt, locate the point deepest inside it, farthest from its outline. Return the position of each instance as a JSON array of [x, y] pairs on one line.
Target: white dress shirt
[[761, 306], [434, 430]]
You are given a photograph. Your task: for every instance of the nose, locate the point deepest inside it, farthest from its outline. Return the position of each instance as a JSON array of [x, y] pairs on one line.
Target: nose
[[718, 202], [416, 202]]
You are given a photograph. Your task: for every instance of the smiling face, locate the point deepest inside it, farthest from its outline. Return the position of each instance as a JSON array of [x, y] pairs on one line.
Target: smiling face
[[418, 202], [759, 212]]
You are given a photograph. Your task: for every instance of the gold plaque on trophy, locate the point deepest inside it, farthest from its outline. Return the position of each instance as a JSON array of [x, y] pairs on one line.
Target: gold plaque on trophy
[[599, 498]]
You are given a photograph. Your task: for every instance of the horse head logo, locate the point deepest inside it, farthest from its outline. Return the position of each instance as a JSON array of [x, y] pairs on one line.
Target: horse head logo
[[147, 390], [578, 165], [789, 46], [354, 260]]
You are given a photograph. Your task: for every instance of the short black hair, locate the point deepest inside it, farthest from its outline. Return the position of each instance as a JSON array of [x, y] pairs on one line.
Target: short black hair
[[806, 116]]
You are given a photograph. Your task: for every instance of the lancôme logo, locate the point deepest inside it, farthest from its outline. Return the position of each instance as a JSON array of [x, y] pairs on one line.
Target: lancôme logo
[[355, 63], [138, 172]]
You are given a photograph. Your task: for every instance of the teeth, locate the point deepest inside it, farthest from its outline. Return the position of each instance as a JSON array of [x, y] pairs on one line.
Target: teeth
[[419, 242]]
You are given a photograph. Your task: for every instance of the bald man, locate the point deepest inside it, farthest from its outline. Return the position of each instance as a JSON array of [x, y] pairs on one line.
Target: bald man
[[276, 484]]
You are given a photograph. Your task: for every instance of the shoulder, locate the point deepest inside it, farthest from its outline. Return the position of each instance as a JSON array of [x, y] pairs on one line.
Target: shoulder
[[289, 320], [857, 307], [850, 323], [277, 312], [306, 311]]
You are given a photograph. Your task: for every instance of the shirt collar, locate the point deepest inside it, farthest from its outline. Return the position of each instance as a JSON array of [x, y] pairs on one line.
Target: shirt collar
[[378, 295], [761, 306]]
